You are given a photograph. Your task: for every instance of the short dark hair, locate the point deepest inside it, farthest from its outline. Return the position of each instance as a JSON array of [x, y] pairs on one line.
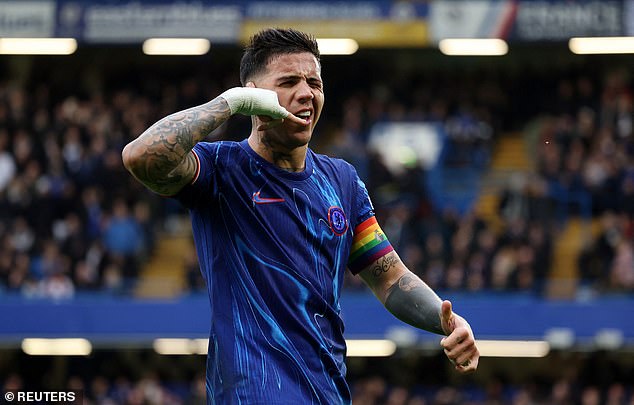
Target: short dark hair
[[271, 42]]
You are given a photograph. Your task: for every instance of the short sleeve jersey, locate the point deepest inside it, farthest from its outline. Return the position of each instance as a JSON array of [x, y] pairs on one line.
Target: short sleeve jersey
[[273, 247]]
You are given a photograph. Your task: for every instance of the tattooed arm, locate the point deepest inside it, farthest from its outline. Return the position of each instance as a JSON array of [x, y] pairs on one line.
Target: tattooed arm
[[403, 293], [412, 301], [160, 158]]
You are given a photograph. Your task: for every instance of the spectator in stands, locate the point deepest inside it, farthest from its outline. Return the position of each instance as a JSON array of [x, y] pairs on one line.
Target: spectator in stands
[[597, 262], [7, 163], [123, 238]]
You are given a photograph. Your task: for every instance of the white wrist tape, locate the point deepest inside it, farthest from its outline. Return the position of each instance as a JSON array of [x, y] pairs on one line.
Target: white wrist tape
[[254, 101]]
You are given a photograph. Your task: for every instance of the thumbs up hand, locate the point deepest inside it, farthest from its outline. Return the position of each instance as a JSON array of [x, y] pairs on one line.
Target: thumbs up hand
[[459, 344]]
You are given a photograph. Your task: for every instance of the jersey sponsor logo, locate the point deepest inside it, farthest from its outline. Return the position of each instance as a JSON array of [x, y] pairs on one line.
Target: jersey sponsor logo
[[337, 220], [264, 200]]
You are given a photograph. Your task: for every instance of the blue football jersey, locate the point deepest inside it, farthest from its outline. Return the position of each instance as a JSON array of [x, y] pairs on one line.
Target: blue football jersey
[[273, 247]]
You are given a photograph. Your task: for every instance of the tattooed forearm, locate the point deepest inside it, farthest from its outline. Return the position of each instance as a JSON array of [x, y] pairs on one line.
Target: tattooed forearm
[[413, 302], [160, 157], [385, 264]]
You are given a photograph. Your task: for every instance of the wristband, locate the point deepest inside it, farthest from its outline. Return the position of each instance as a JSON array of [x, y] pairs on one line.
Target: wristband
[[254, 101]]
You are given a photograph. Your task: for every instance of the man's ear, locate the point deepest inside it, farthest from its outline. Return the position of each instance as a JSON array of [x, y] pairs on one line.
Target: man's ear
[[250, 84]]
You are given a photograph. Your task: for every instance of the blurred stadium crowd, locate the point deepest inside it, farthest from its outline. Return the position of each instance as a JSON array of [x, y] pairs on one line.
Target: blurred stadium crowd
[[564, 379], [73, 221], [72, 218]]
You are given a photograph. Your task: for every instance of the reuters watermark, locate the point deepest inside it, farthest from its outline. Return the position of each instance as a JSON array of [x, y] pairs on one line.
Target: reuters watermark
[[43, 397]]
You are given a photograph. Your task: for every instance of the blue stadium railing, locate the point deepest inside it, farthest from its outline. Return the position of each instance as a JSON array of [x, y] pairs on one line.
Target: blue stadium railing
[[106, 319]]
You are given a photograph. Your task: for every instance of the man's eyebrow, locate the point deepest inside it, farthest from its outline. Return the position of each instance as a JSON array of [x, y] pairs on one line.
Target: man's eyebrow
[[288, 77], [297, 77]]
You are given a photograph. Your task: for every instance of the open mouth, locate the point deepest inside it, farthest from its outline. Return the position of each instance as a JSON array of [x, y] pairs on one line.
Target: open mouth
[[304, 114]]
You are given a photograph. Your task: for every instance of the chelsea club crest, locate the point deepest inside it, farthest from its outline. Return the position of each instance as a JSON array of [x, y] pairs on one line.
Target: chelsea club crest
[[337, 220]]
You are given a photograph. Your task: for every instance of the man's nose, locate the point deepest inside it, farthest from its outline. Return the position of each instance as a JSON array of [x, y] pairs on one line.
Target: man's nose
[[304, 92]]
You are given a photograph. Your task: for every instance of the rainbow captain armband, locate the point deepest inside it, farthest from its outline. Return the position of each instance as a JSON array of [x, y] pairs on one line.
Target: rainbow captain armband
[[369, 245]]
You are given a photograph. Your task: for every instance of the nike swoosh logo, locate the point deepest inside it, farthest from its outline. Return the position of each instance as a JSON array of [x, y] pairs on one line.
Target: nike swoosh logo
[[263, 200]]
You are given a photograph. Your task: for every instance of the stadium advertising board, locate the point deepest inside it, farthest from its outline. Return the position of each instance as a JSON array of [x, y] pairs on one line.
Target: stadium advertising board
[[629, 18], [370, 23], [133, 21], [526, 20], [373, 23], [545, 20], [473, 19], [27, 18]]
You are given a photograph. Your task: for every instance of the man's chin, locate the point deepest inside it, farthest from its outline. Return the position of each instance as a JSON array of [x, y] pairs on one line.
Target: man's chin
[[288, 138], [298, 139]]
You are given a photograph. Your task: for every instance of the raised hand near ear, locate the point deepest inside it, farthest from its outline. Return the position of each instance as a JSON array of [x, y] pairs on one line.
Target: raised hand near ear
[[264, 103], [459, 344]]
